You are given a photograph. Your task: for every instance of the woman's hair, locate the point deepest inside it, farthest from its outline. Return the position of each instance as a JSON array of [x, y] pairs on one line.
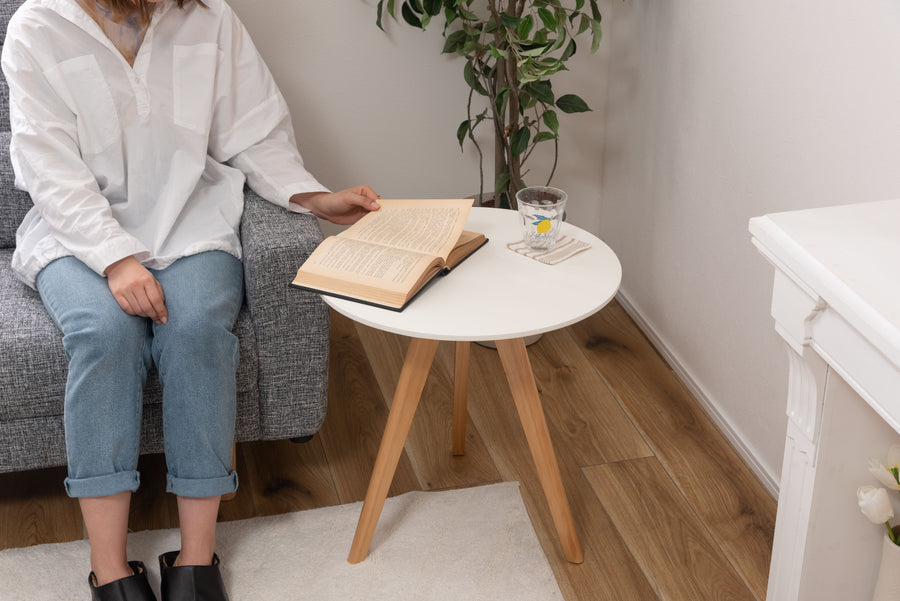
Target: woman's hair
[[127, 6]]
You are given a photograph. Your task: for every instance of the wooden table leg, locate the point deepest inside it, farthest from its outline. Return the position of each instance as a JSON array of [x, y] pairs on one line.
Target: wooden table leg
[[415, 370], [460, 397], [528, 403]]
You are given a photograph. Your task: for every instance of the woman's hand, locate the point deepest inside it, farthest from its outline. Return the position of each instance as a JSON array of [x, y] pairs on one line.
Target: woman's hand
[[136, 290], [344, 207]]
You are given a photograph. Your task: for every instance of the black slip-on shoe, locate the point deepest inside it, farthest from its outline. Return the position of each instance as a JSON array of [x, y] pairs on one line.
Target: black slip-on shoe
[[130, 588], [190, 583]]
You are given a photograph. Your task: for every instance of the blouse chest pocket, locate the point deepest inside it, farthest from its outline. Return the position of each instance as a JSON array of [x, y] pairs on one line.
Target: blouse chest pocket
[[194, 73], [80, 84]]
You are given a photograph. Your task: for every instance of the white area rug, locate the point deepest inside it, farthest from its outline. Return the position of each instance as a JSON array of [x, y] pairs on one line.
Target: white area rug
[[467, 544]]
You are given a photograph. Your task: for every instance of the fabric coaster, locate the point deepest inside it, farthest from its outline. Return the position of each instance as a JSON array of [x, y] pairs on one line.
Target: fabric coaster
[[565, 247]]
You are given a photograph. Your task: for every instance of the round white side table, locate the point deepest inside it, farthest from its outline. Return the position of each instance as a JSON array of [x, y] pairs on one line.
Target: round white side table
[[496, 295]]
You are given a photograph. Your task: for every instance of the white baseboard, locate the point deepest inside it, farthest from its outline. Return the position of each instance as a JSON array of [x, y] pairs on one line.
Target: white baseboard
[[707, 403]]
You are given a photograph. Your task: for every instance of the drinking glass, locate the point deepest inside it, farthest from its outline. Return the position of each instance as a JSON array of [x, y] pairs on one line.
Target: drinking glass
[[541, 209]]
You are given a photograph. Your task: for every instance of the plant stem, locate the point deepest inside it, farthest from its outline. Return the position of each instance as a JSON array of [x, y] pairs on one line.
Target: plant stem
[[891, 532], [518, 7], [515, 163], [478, 148], [555, 159]]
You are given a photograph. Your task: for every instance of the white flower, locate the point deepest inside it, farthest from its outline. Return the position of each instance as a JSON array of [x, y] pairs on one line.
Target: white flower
[[875, 504], [888, 475]]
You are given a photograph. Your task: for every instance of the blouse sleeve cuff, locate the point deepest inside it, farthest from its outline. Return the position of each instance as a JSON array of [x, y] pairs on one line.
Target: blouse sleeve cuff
[[115, 249], [304, 188]]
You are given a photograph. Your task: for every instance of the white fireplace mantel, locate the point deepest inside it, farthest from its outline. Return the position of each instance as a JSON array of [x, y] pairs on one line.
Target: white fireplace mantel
[[836, 303]]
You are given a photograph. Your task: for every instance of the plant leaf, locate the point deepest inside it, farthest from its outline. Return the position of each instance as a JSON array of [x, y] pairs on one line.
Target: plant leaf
[[461, 132], [454, 42], [597, 34], [583, 25], [501, 98], [465, 14], [501, 183], [560, 41], [542, 91], [432, 7], [520, 140], [569, 51], [378, 20], [409, 16], [548, 17], [509, 21], [538, 51], [544, 136], [450, 15], [525, 27], [551, 120], [469, 76], [496, 52], [525, 101], [570, 103]]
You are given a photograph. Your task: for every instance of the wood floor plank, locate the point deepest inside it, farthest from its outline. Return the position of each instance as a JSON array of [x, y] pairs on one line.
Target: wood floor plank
[[242, 505], [34, 509], [577, 401], [730, 501], [730, 505], [430, 437], [674, 550], [608, 572], [283, 476], [357, 414], [151, 507]]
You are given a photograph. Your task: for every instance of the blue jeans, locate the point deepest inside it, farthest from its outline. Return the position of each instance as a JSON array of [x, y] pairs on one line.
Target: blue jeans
[[109, 354]]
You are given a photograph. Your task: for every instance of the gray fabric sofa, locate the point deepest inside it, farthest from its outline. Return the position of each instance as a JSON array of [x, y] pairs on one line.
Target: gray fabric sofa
[[283, 332]]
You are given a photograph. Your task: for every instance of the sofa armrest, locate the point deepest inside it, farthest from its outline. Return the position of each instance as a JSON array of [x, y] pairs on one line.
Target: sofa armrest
[[291, 325]]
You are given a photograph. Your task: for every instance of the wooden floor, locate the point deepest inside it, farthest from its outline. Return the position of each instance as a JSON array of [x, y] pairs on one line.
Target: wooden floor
[[665, 508]]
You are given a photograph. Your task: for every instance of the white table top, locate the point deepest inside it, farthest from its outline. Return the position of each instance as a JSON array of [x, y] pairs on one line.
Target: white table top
[[850, 257], [497, 294]]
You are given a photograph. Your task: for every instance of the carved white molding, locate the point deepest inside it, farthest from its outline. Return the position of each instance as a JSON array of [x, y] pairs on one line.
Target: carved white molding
[[796, 309], [807, 380], [806, 392]]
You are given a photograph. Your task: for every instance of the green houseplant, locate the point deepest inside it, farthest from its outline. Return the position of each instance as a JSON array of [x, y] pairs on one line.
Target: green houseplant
[[512, 49]]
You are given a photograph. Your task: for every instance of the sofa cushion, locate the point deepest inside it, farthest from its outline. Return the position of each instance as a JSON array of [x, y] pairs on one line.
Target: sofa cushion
[[13, 202], [33, 370], [34, 367]]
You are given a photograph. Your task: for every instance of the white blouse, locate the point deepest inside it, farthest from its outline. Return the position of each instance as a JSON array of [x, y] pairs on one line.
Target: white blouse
[[147, 160]]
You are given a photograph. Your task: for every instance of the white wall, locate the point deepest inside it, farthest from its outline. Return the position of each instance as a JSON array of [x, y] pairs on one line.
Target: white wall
[[720, 111], [716, 112], [383, 108]]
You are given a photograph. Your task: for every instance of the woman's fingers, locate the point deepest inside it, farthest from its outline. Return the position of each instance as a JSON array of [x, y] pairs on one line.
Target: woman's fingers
[[136, 290]]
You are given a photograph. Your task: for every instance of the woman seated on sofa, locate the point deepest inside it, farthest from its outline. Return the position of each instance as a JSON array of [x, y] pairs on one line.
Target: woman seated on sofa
[[135, 124]]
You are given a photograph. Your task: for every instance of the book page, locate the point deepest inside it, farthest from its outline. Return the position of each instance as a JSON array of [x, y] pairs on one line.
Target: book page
[[359, 261], [426, 226]]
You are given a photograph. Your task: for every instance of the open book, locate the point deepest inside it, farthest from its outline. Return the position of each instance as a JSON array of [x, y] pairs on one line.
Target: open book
[[389, 255]]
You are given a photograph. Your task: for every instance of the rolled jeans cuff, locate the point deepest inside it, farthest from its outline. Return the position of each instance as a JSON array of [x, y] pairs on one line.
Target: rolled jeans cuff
[[103, 486], [202, 487]]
